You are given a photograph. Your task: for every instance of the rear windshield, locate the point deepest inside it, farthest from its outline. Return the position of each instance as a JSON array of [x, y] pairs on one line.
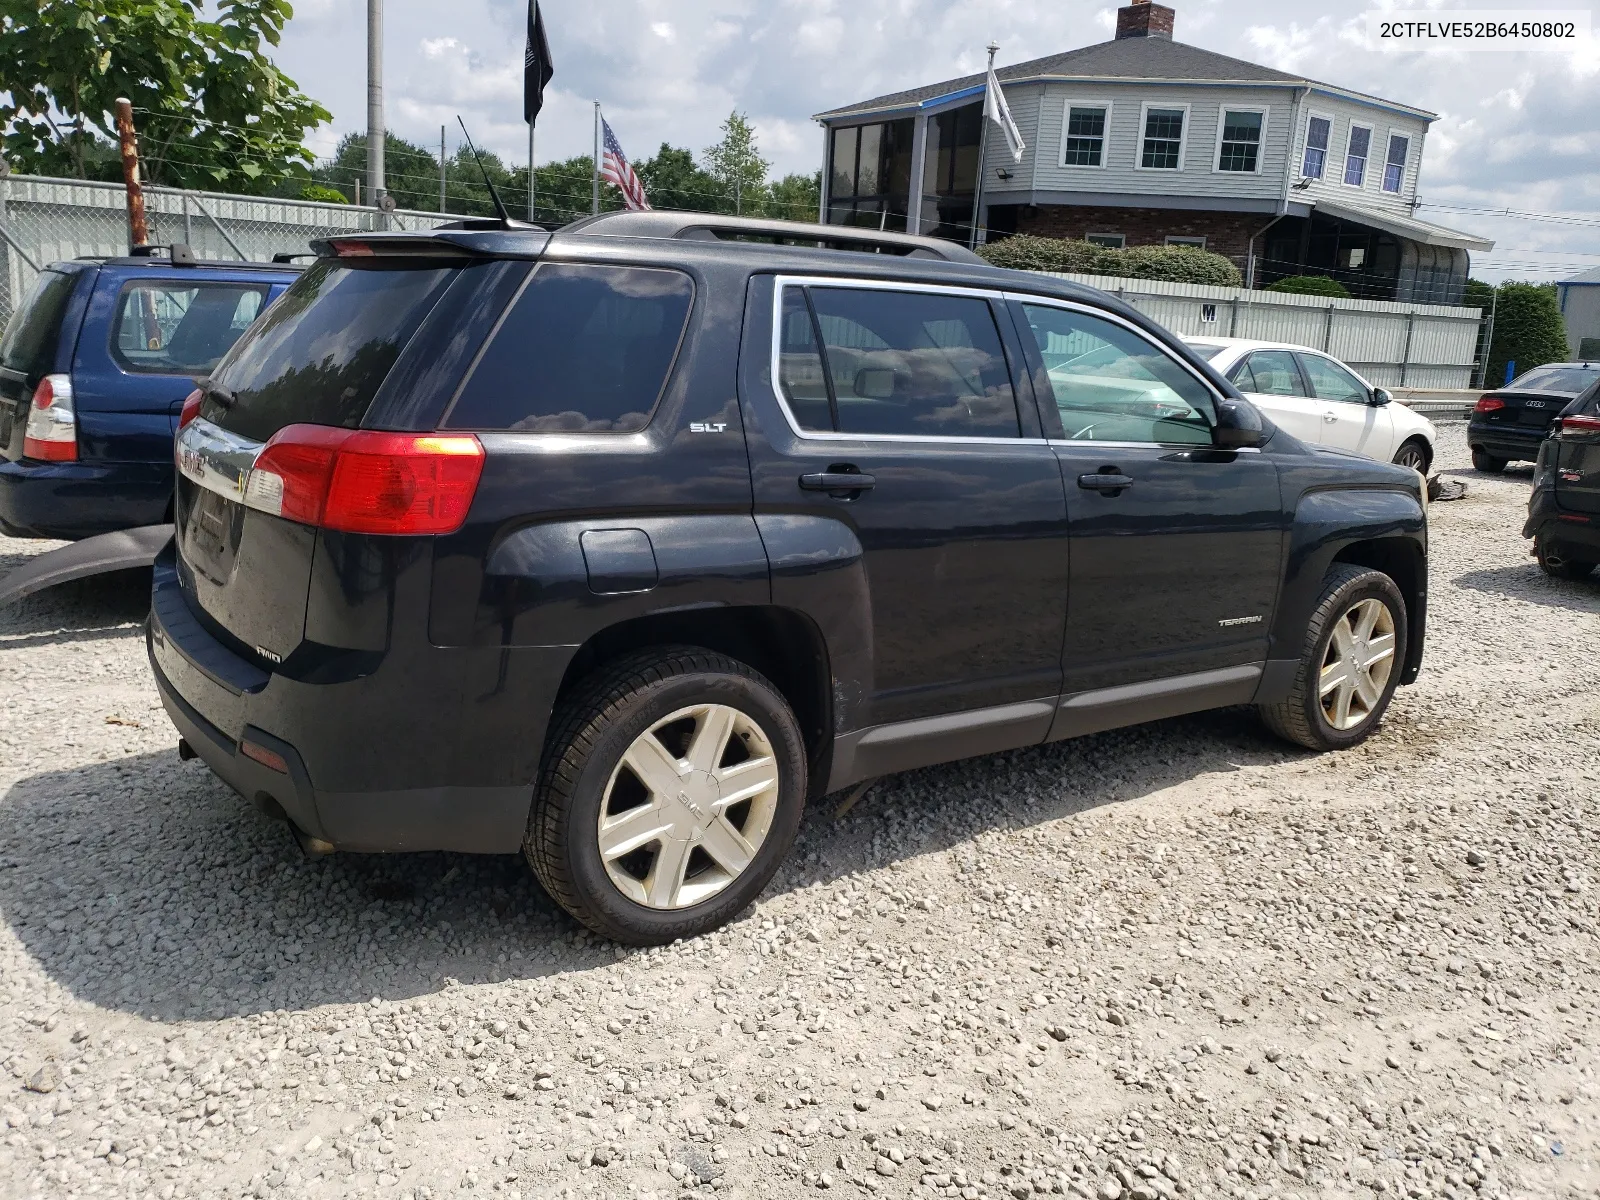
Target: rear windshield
[[1206, 350], [1568, 380], [321, 352], [30, 341]]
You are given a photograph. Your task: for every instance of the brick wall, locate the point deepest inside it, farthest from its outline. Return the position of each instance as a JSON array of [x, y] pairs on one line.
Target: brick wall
[[1225, 232]]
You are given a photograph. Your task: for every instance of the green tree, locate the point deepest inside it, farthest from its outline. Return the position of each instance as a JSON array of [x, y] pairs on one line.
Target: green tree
[[213, 111], [672, 180], [796, 197], [736, 166], [1528, 330], [1310, 285], [410, 172]]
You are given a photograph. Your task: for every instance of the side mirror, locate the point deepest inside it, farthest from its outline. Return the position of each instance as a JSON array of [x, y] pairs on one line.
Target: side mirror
[[1239, 426], [1380, 397]]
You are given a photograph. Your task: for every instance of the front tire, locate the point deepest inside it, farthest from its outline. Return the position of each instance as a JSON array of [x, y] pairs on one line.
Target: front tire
[[672, 787], [1413, 454], [1488, 463], [1354, 649], [1559, 566]]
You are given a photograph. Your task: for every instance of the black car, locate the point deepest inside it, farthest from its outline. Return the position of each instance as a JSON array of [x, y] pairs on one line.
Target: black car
[[615, 545], [1510, 423], [1564, 509]]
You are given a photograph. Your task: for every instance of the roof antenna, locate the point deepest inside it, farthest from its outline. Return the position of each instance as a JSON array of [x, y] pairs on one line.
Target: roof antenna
[[499, 204]]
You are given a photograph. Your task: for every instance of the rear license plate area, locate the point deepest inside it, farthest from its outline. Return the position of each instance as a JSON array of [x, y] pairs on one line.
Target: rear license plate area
[[211, 534]]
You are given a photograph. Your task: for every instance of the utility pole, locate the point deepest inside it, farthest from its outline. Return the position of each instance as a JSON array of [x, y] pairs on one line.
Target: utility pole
[[441, 168], [375, 129], [138, 227], [595, 205]]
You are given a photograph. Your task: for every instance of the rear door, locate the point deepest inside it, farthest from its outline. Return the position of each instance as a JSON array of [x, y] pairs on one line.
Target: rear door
[[1351, 420], [1273, 381], [1176, 546], [960, 517]]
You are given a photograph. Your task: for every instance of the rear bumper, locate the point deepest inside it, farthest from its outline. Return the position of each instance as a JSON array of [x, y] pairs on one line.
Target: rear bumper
[[81, 499], [325, 733], [1505, 441]]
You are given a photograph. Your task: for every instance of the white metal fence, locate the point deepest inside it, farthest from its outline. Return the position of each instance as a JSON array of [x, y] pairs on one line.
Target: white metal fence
[[49, 220], [1393, 345]]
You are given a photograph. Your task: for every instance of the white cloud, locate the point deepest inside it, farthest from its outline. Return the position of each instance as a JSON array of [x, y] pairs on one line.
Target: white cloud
[[1517, 130]]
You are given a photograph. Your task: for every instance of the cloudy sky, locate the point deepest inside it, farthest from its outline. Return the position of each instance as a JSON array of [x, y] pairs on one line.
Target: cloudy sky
[[1518, 131]]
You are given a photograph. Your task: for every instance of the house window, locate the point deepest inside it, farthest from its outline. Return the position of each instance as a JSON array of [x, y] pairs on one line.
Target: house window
[[1318, 130], [1163, 138], [1086, 136], [1111, 241], [1241, 141], [1394, 170], [1355, 157], [1199, 243]]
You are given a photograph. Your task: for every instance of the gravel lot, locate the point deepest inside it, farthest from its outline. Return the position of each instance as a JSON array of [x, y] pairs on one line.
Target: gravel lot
[[1177, 960]]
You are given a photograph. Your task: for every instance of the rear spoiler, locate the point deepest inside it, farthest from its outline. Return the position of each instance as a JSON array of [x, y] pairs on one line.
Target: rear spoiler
[[445, 242], [124, 550]]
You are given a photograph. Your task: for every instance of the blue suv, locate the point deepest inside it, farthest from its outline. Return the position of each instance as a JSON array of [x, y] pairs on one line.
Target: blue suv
[[94, 368]]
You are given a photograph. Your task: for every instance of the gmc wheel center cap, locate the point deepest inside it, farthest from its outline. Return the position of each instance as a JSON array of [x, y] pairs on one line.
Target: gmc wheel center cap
[[699, 793]]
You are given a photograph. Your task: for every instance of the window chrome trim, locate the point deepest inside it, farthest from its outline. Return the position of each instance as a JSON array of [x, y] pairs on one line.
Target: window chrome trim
[[881, 285], [1080, 443]]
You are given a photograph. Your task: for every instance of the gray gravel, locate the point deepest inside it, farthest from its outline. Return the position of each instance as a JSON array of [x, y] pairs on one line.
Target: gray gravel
[[1182, 960]]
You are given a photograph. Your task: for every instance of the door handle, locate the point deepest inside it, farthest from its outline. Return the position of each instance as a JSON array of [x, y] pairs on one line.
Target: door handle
[[1330, 416], [1105, 481], [837, 481]]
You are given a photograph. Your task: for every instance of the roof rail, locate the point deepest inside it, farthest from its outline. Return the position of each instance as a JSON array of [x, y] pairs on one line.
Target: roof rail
[[715, 227]]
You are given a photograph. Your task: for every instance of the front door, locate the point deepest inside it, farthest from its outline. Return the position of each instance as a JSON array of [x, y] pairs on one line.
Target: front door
[[1354, 422], [1176, 546], [959, 514]]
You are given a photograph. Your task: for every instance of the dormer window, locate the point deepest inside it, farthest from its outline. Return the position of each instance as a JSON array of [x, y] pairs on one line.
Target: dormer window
[[1163, 139]]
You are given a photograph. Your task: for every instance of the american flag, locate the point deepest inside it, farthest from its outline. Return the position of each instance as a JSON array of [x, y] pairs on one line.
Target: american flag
[[615, 168]]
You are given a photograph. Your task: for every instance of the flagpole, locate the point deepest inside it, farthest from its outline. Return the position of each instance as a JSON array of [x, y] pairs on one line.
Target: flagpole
[[531, 209], [595, 209], [983, 149]]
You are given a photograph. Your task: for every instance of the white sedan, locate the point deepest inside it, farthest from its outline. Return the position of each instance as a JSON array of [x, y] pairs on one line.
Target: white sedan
[[1318, 399]]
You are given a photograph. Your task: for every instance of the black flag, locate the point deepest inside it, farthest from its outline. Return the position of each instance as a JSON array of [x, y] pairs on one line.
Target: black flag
[[536, 68]]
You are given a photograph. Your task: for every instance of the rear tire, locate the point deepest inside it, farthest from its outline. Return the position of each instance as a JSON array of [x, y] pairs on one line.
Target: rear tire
[[1559, 566], [1338, 699], [631, 831], [1488, 463], [1414, 453]]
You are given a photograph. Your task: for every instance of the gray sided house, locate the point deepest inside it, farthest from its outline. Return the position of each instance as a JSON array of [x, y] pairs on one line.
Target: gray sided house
[[1144, 140], [1579, 298]]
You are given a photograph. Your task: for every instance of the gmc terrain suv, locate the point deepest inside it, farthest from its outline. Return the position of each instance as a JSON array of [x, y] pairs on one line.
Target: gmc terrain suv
[[616, 544]]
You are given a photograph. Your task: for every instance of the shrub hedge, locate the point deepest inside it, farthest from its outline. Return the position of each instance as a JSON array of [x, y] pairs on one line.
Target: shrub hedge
[[1310, 285], [1178, 264]]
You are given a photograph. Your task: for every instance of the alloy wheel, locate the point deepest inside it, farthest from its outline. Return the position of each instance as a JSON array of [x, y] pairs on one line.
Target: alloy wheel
[[1411, 456], [688, 806], [1357, 664]]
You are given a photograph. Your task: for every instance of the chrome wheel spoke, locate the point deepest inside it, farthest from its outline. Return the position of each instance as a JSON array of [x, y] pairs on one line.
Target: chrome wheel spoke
[[1367, 690], [710, 741], [746, 779], [1379, 649], [665, 880], [631, 830], [1370, 611], [1341, 703], [726, 845], [1342, 635], [653, 764], [1334, 675]]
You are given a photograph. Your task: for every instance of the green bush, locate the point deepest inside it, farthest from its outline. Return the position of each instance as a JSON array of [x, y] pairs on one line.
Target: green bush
[[1311, 285], [328, 195], [1180, 264], [1528, 330]]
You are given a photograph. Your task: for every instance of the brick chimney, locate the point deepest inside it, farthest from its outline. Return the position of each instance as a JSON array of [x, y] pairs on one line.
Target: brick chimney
[[1144, 19]]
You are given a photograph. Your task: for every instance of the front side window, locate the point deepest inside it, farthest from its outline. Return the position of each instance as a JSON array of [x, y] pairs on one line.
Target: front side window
[[181, 328], [1241, 141], [1163, 138], [1355, 159], [1394, 170], [1086, 136], [1330, 381], [1112, 385], [906, 364], [1270, 373], [1318, 130], [583, 349]]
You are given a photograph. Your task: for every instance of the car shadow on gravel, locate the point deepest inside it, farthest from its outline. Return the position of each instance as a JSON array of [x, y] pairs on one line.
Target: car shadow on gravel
[[1530, 584], [100, 606], [144, 885]]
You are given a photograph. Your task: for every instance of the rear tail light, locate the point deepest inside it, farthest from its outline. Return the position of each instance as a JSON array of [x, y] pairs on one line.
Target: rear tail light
[[1580, 424], [191, 407], [367, 481], [52, 432], [1489, 404]]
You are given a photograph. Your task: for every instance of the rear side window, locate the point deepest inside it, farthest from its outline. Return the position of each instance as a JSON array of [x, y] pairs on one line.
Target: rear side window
[[1271, 373], [30, 339], [583, 349], [894, 363], [181, 328], [322, 351]]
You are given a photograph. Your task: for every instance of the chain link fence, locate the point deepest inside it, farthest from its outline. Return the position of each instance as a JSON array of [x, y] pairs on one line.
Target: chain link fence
[[49, 220]]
